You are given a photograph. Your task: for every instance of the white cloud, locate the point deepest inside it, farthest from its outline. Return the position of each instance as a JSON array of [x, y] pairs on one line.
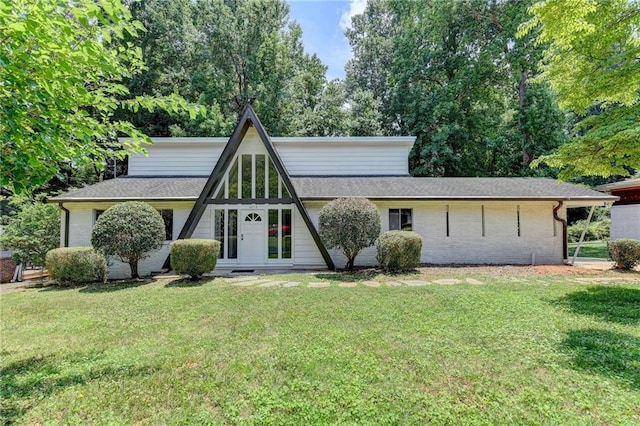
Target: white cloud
[[355, 8]]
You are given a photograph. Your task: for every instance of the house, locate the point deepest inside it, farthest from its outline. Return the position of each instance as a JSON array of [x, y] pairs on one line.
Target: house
[[261, 197], [625, 212]]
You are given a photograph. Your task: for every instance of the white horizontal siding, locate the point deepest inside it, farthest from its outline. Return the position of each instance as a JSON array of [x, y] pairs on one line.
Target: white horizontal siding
[[176, 160], [625, 221], [305, 250], [345, 159], [316, 156]]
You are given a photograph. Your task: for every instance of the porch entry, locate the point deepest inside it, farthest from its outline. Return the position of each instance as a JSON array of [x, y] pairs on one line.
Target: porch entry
[[252, 234], [253, 237]]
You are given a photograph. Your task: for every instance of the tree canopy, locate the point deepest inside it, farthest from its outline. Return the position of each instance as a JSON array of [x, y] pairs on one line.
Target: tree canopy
[[454, 75], [62, 68], [593, 63]]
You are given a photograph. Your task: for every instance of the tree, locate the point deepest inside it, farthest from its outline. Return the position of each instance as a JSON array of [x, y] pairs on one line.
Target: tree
[[62, 65], [31, 230], [129, 231], [349, 224], [593, 64], [220, 54], [454, 75]]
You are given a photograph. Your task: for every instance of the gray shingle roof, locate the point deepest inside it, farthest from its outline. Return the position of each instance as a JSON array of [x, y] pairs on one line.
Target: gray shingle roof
[[442, 188], [138, 188], [318, 187]]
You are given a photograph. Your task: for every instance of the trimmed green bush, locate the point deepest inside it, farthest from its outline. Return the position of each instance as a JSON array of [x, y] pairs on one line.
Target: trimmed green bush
[[625, 252], [129, 231], [349, 224], [194, 257], [76, 265], [399, 250]]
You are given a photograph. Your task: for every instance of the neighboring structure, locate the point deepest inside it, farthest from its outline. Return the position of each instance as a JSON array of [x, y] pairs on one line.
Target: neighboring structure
[[261, 197], [625, 213]]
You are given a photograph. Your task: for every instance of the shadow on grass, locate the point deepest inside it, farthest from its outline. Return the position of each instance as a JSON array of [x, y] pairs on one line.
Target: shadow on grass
[[22, 382], [614, 304], [187, 282], [615, 355]]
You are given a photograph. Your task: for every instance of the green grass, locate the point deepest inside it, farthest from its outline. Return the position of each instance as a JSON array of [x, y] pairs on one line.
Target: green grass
[[524, 348], [590, 249]]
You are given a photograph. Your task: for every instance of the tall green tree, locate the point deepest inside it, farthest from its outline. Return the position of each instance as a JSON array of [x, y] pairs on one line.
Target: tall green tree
[[453, 74], [221, 54], [593, 63], [60, 84]]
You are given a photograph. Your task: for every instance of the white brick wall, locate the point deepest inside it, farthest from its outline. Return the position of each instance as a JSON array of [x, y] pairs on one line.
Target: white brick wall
[[82, 219], [465, 243]]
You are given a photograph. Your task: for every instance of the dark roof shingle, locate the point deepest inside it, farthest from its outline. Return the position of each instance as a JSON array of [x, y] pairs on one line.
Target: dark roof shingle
[[442, 188], [375, 187]]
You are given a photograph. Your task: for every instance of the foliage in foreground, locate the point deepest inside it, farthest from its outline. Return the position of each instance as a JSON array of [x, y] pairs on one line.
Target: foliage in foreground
[[520, 349], [76, 265], [130, 231], [349, 224], [31, 231], [399, 250], [62, 68], [625, 252], [592, 63], [194, 257]]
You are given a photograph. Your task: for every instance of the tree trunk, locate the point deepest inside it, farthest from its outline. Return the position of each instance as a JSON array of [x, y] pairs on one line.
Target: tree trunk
[[349, 265], [522, 93], [133, 264]]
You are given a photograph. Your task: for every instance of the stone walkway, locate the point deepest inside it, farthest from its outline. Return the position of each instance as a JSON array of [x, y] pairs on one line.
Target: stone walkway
[[252, 281]]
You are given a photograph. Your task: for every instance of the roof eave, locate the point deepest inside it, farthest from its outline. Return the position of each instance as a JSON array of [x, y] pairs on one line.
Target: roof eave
[[117, 199], [605, 199]]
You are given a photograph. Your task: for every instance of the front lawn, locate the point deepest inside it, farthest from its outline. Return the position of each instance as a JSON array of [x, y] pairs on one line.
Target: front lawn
[[596, 249], [500, 345]]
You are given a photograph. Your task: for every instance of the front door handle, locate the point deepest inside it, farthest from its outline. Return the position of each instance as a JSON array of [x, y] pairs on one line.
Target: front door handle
[[241, 237]]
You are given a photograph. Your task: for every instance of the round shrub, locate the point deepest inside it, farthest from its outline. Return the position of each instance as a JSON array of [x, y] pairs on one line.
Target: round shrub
[[194, 257], [625, 252], [129, 231], [349, 224], [76, 265], [399, 250]]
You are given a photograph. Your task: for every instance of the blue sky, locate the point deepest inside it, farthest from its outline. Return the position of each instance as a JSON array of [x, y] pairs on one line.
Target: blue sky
[[323, 23]]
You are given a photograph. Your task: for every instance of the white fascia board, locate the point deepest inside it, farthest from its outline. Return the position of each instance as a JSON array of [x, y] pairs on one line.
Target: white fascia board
[[181, 140]]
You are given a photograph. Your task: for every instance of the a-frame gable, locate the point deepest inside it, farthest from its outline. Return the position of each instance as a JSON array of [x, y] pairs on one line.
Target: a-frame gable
[[247, 118]]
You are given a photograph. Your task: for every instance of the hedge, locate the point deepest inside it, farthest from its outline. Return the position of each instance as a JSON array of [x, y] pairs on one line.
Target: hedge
[[76, 265], [625, 252], [194, 257], [399, 250]]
